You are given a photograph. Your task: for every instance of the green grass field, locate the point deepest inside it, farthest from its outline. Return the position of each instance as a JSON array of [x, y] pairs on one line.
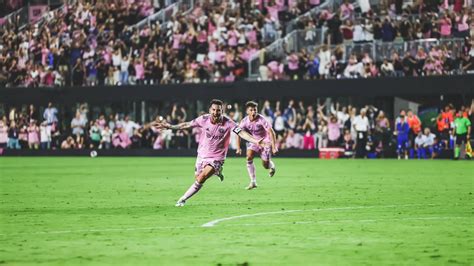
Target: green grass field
[[313, 212]]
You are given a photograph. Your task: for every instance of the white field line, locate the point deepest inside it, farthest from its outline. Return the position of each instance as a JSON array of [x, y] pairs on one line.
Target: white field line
[[352, 221], [100, 230], [214, 222], [250, 224], [231, 225]]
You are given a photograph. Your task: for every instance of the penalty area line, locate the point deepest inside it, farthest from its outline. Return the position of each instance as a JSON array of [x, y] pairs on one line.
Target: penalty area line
[[233, 225], [215, 222]]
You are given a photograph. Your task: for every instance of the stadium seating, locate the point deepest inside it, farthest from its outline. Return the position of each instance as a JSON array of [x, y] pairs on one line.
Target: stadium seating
[[105, 43]]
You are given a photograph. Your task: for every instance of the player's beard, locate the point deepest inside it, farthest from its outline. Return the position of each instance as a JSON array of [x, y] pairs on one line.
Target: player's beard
[[216, 118]]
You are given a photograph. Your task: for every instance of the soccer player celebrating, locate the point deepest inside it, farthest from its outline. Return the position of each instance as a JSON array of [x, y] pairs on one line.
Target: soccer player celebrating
[[213, 145], [258, 127]]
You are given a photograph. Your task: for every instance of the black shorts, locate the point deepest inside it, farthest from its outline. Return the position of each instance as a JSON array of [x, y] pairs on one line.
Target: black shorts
[[460, 138], [444, 135], [280, 132]]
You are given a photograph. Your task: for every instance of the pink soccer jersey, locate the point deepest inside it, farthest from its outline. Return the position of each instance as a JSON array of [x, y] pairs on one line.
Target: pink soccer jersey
[[215, 138], [257, 128]]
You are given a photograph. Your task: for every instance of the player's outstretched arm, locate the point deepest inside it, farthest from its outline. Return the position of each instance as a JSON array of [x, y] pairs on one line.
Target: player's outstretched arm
[[246, 136], [180, 126]]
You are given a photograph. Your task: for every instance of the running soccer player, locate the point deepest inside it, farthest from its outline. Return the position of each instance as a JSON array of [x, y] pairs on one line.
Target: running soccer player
[[257, 126], [213, 145]]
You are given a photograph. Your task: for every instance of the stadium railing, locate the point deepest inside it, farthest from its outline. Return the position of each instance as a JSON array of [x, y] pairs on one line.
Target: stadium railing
[[384, 50], [277, 48], [20, 14], [163, 15], [296, 38], [378, 50]]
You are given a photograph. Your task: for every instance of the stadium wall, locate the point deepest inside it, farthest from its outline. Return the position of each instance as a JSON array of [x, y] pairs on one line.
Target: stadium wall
[[462, 86]]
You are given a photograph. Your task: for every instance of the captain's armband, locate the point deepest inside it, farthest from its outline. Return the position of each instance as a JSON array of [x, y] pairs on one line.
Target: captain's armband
[[237, 130]]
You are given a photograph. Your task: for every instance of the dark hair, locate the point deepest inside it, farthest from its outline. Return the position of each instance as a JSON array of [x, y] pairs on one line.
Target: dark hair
[[216, 102], [250, 104]]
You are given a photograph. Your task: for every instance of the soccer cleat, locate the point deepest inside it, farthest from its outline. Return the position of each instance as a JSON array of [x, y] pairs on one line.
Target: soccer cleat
[[272, 171], [180, 203], [251, 186], [221, 177]]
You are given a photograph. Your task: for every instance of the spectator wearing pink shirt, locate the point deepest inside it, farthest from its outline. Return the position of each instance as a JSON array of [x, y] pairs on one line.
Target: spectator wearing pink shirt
[[462, 23], [309, 128], [220, 56], [280, 4], [292, 140], [420, 58], [434, 52], [347, 11], [276, 70], [177, 38], [334, 132], [3, 135], [139, 71], [120, 139], [33, 135], [292, 66], [429, 68], [273, 11], [252, 35], [233, 36], [107, 55], [314, 3], [308, 141], [445, 26]]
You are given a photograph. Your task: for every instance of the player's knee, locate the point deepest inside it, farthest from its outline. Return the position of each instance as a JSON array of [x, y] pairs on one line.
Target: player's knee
[[201, 178], [249, 159], [266, 164]]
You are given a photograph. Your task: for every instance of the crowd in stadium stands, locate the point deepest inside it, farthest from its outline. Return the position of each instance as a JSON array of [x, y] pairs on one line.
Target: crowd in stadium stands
[[364, 132], [94, 43], [396, 25]]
